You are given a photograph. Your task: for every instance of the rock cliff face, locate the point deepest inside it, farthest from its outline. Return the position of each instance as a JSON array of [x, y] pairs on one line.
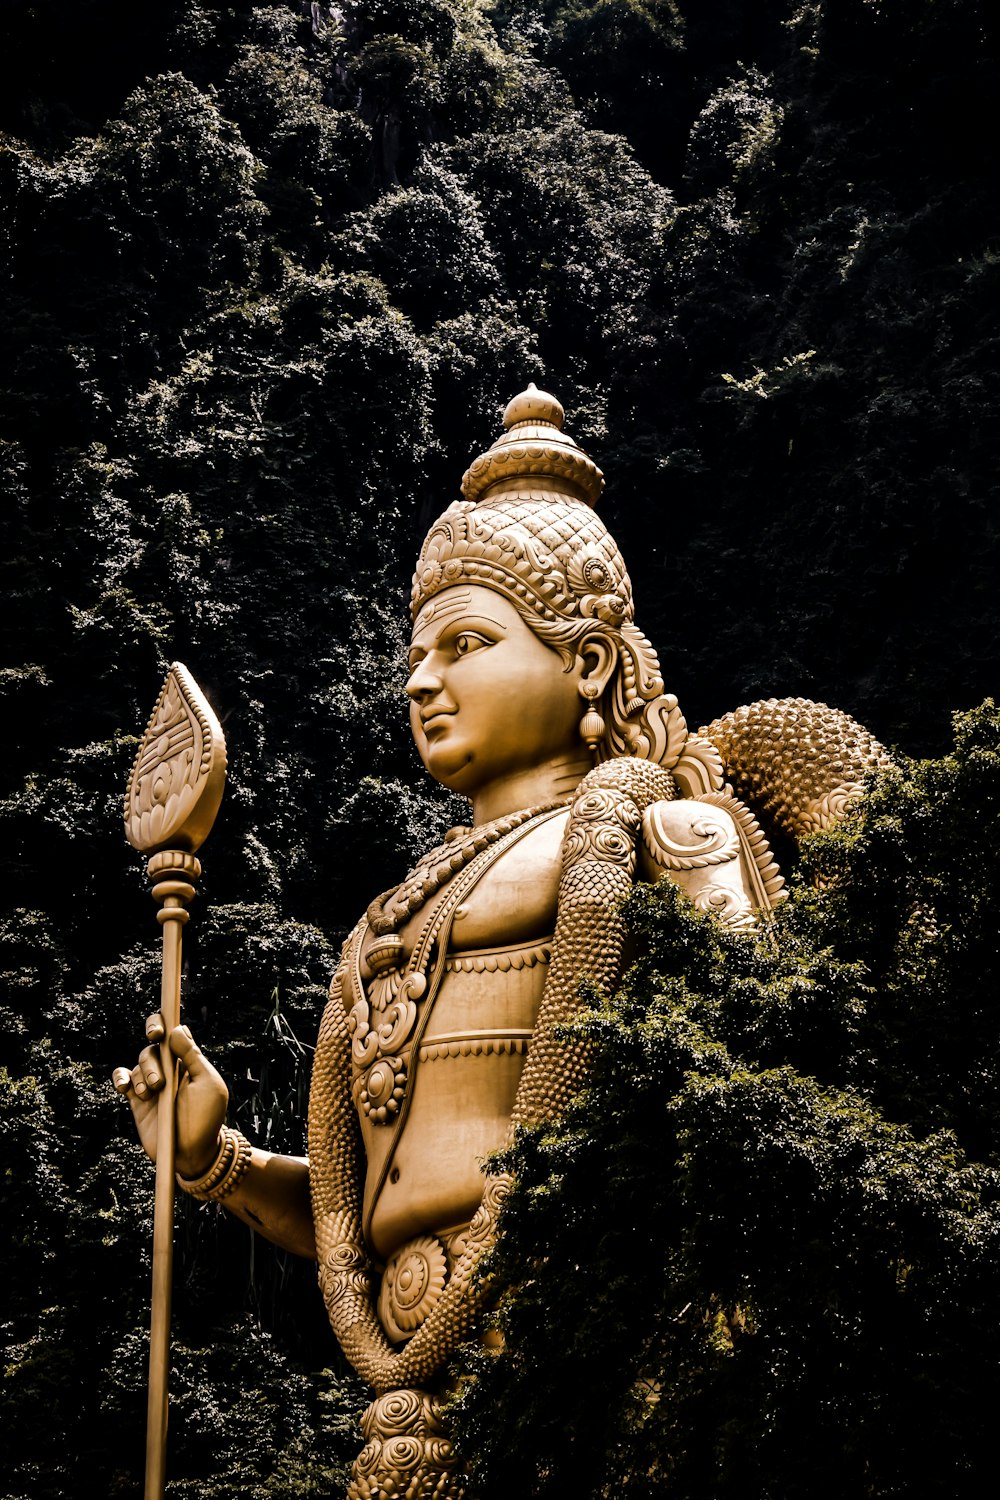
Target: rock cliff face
[[273, 271]]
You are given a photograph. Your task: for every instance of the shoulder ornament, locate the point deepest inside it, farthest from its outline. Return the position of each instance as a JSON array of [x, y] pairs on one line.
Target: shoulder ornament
[[710, 840]]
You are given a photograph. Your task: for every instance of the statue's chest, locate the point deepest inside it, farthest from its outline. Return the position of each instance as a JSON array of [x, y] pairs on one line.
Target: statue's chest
[[477, 948], [515, 900]]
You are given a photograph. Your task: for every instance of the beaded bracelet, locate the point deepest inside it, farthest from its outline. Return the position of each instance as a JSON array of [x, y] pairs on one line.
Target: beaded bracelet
[[226, 1172]]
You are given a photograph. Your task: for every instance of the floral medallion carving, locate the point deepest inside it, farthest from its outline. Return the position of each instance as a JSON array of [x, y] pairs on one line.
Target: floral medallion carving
[[412, 1285]]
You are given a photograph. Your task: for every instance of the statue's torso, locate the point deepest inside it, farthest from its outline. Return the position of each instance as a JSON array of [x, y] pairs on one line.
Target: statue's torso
[[471, 1051], [443, 1005]]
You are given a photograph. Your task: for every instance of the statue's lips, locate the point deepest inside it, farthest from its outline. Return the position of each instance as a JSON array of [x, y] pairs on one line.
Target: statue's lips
[[433, 720]]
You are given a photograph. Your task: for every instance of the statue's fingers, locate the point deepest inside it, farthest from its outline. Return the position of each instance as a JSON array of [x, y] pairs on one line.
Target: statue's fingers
[[122, 1080], [199, 1069], [184, 1046], [140, 1089], [155, 1028], [149, 1066]]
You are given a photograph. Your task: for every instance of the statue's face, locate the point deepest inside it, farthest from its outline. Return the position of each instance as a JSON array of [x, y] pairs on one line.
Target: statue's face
[[487, 697]]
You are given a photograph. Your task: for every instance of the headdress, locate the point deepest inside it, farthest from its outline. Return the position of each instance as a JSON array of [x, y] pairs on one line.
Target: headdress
[[527, 528]]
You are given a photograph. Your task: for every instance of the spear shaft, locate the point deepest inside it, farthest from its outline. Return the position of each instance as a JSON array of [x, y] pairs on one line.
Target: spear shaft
[[173, 891]]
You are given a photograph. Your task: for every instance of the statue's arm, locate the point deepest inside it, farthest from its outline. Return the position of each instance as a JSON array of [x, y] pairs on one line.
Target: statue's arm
[[273, 1199], [270, 1193]]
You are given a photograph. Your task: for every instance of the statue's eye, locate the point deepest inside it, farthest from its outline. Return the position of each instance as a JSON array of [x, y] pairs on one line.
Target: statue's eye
[[467, 642]]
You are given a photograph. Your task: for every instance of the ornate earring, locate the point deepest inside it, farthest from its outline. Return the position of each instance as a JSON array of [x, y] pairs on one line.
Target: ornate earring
[[592, 725]]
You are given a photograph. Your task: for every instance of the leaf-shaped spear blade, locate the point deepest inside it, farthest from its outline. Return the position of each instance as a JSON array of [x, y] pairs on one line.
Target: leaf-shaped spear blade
[[171, 803], [176, 784]]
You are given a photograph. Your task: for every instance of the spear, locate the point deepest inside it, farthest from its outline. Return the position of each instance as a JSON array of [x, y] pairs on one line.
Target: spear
[[171, 803]]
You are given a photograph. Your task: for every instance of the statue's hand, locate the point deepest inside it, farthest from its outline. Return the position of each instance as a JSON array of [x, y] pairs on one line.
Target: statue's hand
[[202, 1097]]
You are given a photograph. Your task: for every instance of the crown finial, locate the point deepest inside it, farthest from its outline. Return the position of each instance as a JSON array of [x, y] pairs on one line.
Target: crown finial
[[534, 405], [533, 458]]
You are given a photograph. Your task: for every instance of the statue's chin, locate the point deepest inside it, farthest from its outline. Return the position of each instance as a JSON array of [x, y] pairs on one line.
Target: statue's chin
[[451, 765]]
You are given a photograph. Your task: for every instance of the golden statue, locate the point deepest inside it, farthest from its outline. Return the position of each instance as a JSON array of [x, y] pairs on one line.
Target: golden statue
[[533, 693]]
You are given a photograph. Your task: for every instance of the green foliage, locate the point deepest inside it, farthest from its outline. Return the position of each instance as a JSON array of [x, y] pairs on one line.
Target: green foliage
[[252, 1425], [429, 248], [625, 61], [765, 1236]]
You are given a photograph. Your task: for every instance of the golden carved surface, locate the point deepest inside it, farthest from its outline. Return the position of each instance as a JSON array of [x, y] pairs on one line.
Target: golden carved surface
[[524, 559], [474, 1044], [407, 1453], [179, 772], [172, 799], [801, 763], [534, 453]]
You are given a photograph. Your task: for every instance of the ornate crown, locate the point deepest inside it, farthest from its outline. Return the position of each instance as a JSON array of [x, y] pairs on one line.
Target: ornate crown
[[527, 526], [535, 449]]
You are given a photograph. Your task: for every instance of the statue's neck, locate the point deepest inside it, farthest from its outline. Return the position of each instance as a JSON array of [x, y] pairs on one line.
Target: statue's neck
[[551, 782]]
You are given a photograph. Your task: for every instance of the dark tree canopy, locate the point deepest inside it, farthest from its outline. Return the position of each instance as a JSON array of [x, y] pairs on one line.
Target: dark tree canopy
[[271, 273]]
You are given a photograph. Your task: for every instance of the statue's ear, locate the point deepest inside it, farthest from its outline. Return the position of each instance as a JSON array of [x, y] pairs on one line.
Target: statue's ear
[[597, 656]]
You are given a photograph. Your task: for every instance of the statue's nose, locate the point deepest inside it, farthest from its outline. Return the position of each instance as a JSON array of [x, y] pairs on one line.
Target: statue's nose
[[424, 680]]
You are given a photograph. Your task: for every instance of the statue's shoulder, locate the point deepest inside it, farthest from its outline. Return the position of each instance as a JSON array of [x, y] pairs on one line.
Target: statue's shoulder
[[794, 763], [712, 845]]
